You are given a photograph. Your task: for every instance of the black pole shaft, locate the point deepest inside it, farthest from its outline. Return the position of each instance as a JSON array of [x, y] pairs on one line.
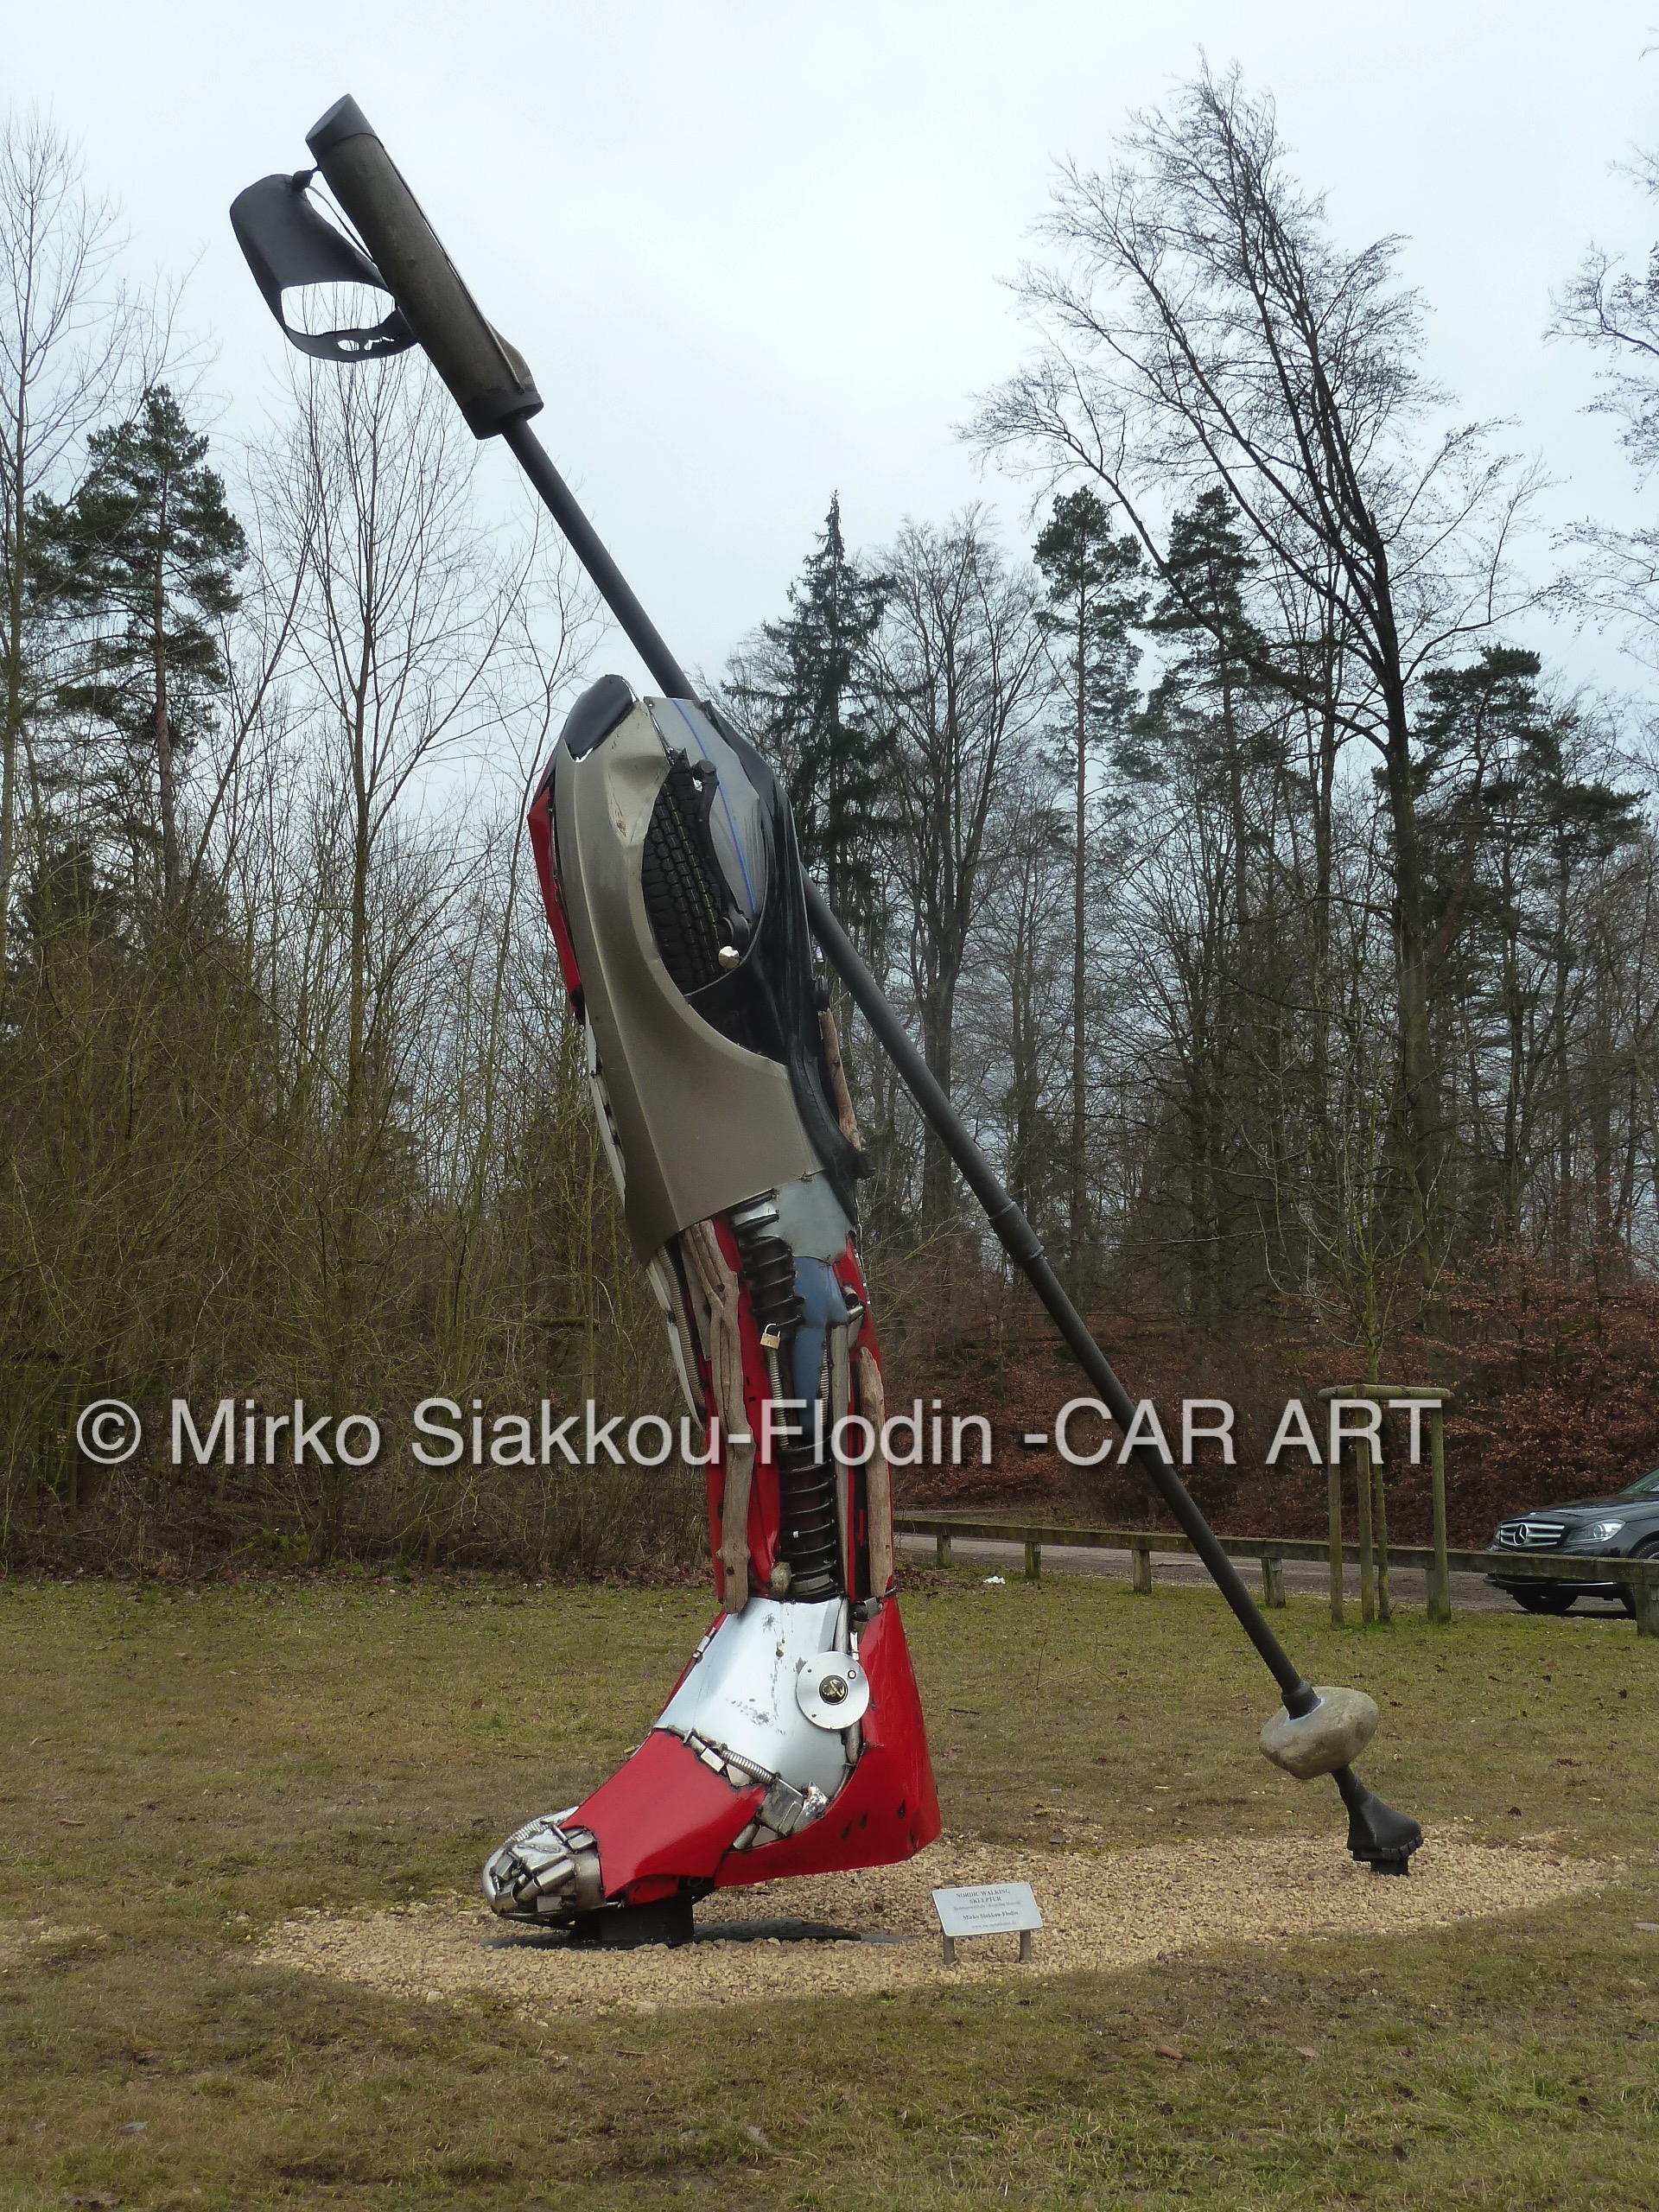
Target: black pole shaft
[[1015, 1233], [614, 588], [1023, 1245]]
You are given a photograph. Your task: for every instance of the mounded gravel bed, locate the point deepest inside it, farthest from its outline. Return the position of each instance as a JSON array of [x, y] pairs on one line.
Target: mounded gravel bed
[[1105, 1911]]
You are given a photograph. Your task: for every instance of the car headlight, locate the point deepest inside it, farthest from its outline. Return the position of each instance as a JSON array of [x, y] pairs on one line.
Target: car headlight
[[1600, 1531]]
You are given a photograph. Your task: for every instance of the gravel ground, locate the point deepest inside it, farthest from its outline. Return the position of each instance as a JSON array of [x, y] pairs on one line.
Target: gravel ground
[[1105, 1911]]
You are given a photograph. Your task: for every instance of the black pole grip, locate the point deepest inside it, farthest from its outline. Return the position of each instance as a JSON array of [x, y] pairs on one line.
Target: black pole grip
[[490, 381]]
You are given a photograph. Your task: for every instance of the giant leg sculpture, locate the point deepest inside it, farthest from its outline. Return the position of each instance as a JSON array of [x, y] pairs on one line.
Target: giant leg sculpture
[[793, 1743]]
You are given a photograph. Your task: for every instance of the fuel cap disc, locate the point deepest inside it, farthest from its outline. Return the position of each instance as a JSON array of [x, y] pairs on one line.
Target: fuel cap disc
[[832, 1690]]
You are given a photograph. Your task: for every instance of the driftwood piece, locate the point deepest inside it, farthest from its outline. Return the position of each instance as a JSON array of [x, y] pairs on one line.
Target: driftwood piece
[[877, 1476], [840, 1389], [844, 1097], [719, 1286]]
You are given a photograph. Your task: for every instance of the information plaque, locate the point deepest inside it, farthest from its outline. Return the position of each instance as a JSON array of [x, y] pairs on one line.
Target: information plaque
[[987, 1908]]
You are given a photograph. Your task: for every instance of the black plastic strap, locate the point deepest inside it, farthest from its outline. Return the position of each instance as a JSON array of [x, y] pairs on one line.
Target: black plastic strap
[[289, 243]]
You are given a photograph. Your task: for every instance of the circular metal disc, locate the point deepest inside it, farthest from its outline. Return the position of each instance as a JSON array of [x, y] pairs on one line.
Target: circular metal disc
[[832, 1690]]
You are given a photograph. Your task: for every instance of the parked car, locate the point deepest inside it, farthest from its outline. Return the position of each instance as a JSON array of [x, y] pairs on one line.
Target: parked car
[[1625, 1526]]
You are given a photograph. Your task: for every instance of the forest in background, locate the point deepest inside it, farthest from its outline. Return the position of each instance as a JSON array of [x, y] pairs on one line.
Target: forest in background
[[1282, 922]]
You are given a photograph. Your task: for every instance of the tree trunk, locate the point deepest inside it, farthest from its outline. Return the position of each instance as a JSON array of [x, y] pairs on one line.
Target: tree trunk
[[1418, 1078], [1077, 1211], [12, 707], [170, 877], [938, 1179], [1562, 1224], [1515, 1023]]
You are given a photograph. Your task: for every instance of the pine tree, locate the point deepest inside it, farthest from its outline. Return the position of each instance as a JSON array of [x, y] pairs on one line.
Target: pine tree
[[1498, 771], [1094, 602], [1212, 728], [817, 717], [1222, 664], [146, 553], [1512, 822]]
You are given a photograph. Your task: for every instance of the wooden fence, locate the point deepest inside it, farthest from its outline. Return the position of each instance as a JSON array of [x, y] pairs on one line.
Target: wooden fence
[[1640, 1577]]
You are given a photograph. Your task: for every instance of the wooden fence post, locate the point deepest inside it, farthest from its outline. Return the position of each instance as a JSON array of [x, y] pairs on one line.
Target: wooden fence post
[[1273, 1578], [1440, 1584], [1141, 1566], [941, 1548], [1376, 1593], [1363, 1498], [1644, 1597], [1034, 1561]]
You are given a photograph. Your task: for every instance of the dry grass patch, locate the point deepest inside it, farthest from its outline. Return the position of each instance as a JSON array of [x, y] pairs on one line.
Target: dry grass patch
[[183, 1774]]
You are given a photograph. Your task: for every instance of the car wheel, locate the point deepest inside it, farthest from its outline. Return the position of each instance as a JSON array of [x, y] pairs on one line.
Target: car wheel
[[1648, 1550], [1543, 1597]]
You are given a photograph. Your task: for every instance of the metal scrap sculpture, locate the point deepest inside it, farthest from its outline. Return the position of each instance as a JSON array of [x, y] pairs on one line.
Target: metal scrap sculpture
[[794, 1741]]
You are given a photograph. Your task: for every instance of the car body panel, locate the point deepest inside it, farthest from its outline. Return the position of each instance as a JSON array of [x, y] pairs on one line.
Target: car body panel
[[1532, 1536]]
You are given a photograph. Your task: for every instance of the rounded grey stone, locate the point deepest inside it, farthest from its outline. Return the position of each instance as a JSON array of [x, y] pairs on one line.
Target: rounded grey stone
[[1333, 1735]]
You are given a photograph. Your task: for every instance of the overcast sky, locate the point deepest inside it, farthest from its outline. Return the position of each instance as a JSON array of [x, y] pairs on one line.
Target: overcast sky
[[753, 253]]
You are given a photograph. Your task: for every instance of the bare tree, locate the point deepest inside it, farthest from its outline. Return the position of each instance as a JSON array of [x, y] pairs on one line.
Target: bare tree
[[961, 668], [1203, 330], [478, 1096], [1616, 312], [1019, 1001], [401, 615]]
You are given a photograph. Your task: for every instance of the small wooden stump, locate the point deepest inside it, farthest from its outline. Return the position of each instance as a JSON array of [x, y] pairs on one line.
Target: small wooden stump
[[1375, 1599]]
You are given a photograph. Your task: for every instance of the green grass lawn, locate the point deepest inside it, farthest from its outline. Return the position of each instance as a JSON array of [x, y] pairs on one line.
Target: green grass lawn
[[178, 1771]]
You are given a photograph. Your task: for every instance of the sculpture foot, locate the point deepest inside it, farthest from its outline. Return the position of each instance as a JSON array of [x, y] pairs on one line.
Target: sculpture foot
[[793, 1744]]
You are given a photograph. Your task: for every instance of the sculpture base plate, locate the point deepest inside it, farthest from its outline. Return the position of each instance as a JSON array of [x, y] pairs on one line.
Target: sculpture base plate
[[631, 1927]]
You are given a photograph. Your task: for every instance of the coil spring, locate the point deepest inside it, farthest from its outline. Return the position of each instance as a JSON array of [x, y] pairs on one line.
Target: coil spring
[[810, 1530]]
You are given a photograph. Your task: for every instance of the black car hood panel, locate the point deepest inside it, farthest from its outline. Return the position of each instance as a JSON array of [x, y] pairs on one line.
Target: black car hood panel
[[1591, 1509]]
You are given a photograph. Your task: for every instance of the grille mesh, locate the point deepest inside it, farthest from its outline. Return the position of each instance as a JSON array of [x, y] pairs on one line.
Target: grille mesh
[[1529, 1536]]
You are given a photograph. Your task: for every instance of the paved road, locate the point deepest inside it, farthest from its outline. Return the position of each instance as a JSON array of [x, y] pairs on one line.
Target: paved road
[[1308, 1578]]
